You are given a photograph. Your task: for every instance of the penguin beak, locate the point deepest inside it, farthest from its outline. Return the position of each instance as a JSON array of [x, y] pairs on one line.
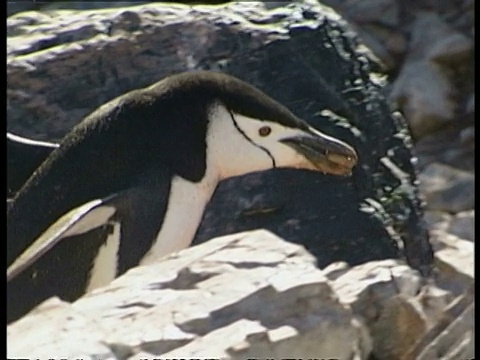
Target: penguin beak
[[324, 152]]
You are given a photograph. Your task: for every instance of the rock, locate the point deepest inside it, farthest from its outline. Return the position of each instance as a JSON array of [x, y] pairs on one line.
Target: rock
[[94, 56], [235, 297], [470, 108], [437, 219], [58, 320], [15, 7], [368, 11], [434, 81], [454, 258], [449, 147], [450, 50], [384, 308], [425, 110], [452, 337], [462, 225], [447, 189], [373, 291], [375, 22], [467, 135], [336, 269], [433, 45], [401, 310], [386, 44], [254, 295]]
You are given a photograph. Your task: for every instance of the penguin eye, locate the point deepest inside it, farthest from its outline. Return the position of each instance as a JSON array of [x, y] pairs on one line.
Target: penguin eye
[[264, 131]]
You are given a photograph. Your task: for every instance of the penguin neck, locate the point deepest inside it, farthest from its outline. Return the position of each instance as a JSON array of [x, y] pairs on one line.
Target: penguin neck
[[186, 204]]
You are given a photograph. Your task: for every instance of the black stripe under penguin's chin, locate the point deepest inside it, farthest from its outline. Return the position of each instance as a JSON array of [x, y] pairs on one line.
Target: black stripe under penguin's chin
[[274, 164]]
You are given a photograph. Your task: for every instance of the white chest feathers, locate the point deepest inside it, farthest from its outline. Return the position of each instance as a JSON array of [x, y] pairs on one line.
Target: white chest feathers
[[186, 204]]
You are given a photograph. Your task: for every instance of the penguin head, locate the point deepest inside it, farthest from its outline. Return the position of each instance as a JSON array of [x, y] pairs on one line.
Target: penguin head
[[239, 144], [248, 131], [232, 128]]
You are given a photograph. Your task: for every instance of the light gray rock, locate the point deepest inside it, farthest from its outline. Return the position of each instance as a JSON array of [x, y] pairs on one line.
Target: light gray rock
[[423, 89], [463, 225], [437, 219], [434, 39], [426, 109], [48, 327], [453, 335], [19, 6], [253, 295], [239, 296], [447, 189], [401, 309], [434, 84], [471, 106], [380, 292], [366, 11], [460, 224], [454, 258], [467, 135]]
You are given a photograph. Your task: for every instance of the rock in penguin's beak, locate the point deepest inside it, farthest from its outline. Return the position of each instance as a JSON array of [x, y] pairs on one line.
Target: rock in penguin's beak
[[325, 153]]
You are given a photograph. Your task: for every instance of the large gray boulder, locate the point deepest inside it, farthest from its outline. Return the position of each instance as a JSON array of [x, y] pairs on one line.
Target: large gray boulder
[[63, 64], [253, 295]]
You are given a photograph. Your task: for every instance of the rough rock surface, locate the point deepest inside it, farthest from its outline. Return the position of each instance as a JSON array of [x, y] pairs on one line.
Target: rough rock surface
[[288, 51], [254, 295], [447, 189], [430, 77], [235, 297], [427, 48], [460, 224], [392, 310]]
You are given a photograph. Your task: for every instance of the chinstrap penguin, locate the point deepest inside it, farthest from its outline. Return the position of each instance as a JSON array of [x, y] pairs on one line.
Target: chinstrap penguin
[[129, 184]]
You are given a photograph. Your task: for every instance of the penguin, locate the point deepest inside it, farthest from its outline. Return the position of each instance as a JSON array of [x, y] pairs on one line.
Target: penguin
[[23, 157], [129, 184]]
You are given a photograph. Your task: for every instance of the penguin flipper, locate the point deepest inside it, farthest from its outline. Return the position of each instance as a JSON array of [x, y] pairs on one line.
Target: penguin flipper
[[95, 213], [64, 267]]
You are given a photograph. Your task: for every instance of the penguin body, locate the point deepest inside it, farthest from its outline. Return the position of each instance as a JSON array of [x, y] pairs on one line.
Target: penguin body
[[129, 184]]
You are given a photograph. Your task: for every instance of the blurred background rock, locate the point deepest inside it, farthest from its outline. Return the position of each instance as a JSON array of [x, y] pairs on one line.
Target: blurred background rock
[[427, 50]]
